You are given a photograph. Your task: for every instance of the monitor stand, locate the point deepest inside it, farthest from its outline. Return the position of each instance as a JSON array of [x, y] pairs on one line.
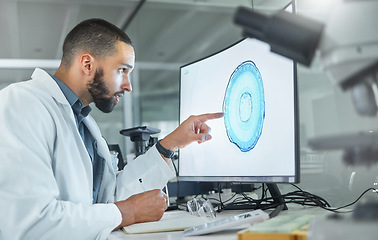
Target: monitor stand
[[276, 195]]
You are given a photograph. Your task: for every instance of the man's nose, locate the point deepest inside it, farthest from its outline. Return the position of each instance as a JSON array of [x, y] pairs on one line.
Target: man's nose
[[126, 84]]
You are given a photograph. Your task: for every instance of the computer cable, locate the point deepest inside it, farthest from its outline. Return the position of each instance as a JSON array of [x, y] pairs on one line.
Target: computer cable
[[336, 210], [244, 202], [305, 198], [299, 196], [265, 202], [321, 202]]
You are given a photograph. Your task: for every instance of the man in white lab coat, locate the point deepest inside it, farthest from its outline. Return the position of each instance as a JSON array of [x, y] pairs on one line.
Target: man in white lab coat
[[56, 174]]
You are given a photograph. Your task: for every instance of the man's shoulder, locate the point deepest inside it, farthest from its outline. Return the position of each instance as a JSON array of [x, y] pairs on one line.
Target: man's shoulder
[[28, 98], [23, 91]]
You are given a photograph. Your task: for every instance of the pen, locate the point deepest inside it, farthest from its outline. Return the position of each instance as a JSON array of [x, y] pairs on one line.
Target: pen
[[166, 192]]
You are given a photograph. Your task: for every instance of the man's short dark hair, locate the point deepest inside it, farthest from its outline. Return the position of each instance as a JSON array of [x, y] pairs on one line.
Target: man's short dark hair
[[95, 36]]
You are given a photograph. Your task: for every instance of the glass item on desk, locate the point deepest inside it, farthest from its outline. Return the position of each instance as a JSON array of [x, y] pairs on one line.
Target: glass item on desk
[[201, 207]]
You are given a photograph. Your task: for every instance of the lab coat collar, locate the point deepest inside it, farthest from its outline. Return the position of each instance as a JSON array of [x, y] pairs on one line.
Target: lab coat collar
[[53, 87], [47, 81]]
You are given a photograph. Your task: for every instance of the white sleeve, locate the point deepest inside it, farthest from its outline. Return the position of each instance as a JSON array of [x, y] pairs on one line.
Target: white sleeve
[[146, 172]]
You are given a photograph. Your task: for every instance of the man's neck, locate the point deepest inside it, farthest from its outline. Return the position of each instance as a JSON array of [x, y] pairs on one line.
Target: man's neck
[[75, 82]]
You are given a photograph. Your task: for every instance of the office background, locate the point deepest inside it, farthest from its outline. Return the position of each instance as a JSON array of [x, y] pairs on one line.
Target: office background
[[168, 34]]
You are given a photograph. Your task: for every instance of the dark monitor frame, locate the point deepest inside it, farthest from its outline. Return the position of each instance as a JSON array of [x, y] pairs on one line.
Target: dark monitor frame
[[271, 181]]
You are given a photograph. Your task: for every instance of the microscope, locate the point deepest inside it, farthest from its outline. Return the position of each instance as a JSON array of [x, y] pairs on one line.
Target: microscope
[[347, 45], [141, 136]]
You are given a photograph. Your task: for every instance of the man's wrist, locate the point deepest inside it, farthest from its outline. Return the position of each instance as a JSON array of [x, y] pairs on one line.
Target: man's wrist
[[168, 143], [127, 215], [165, 152]]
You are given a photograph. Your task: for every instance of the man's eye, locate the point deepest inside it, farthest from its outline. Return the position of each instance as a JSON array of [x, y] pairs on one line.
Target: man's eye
[[123, 70]]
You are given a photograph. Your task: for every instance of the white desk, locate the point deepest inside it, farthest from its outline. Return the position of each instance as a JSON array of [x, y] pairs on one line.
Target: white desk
[[344, 227], [230, 234]]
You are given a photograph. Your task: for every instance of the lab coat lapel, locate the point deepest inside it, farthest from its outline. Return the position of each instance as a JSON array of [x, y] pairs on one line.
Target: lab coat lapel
[[102, 146], [108, 181]]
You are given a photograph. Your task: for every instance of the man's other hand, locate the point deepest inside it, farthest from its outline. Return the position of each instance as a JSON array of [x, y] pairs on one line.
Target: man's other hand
[[143, 207]]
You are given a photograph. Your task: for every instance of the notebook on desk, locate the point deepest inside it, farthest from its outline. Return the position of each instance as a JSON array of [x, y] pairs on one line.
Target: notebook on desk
[[171, 221]]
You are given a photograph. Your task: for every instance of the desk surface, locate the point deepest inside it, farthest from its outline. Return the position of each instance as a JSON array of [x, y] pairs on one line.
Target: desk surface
[[230, 234]]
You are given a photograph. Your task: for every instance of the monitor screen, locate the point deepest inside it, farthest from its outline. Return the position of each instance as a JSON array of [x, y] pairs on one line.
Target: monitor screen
[[256, 140]]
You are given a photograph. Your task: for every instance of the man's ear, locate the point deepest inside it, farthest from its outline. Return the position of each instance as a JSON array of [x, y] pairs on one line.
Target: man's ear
[[87, 63]]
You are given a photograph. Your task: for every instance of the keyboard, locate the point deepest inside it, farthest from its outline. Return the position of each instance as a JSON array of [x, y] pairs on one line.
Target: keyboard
[[240, 220]]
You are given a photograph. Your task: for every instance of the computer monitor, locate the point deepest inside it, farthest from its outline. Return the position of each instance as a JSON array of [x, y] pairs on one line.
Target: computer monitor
[[256, 140]]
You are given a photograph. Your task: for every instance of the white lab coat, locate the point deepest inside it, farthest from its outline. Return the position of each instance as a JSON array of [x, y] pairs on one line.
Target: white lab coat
[[46, 172]]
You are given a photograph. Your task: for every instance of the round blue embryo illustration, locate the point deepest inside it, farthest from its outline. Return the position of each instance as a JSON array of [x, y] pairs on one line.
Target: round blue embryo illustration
[[244, 106]]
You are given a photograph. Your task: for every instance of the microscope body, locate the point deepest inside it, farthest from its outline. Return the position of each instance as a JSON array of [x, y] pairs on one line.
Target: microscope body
[[141, 136]]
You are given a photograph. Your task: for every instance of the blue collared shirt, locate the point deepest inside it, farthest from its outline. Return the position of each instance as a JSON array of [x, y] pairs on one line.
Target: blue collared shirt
[[90, 143]]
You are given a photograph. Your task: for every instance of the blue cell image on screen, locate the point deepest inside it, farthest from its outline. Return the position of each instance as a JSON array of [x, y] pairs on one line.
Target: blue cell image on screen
[[244, 106]]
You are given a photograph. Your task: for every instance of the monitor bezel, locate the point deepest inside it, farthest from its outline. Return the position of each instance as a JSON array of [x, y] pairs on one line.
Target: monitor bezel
[[252, 179]]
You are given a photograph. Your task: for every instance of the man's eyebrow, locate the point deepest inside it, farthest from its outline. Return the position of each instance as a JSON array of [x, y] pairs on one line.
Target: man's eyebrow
[[127, 65]]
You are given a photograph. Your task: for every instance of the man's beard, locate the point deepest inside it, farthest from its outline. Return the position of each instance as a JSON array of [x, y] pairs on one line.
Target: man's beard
[[99, 93]]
